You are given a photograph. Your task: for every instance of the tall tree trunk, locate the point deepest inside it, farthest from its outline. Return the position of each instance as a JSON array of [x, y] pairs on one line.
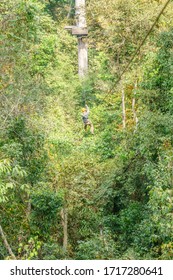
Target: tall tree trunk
[[123, 109], [28, 208], [64, 217], [133, 106], [7, 246], [82, 41]]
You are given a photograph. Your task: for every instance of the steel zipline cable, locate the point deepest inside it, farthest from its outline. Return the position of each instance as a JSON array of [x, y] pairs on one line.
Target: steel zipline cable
[[143, 41]]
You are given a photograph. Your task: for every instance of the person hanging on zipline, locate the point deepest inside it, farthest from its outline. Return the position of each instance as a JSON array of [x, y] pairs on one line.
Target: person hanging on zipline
[[86, 121]]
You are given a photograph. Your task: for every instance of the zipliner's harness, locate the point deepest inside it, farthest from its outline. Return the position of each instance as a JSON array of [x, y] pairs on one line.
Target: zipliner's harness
[[85, 117]]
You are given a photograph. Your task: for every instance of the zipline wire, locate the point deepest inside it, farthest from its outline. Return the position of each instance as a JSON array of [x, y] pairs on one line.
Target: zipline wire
[[143, 41]]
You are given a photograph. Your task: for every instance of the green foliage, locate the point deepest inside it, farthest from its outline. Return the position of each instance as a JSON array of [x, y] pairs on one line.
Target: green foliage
[[57, 8], [5, 169], [45, 204], [99, 247], [52, 251], [43, 55], [9, 179], [30, 250], [128, 221], [159, 75], [106, 147], [23, 146]]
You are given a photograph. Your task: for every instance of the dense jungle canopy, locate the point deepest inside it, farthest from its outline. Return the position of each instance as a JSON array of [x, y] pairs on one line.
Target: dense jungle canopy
[[65, 193]]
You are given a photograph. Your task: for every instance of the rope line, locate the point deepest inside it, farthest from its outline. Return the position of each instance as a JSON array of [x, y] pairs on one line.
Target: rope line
[[143, 41]]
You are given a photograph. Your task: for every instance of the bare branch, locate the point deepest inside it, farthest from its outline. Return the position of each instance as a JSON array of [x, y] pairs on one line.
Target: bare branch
[[7, 246]]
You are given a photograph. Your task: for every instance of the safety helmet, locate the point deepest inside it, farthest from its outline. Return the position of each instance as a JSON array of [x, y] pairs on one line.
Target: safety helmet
[[83, 110]]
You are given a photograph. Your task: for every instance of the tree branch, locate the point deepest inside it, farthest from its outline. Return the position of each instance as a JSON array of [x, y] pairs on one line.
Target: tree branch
[[7, 246]]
